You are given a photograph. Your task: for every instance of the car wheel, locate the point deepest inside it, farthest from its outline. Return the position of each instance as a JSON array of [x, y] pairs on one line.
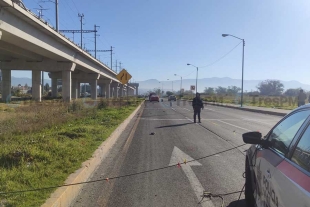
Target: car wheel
[[248, 191]]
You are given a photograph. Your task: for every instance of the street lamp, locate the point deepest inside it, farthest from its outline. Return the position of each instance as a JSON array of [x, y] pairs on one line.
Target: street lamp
[[181, 82], [196, 74], [225, 35]]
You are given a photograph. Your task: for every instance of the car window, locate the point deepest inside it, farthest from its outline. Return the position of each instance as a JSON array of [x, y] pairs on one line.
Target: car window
[[283, 134], [301, 154]]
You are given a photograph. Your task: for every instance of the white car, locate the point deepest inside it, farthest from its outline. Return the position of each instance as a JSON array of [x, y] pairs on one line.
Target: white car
[[278, 165]]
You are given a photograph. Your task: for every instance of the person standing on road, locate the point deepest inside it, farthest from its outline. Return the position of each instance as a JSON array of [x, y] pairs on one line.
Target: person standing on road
[[301, 98], [197, 106]]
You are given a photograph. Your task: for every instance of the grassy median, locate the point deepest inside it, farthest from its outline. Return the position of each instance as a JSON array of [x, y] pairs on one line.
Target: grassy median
[[43, 143]]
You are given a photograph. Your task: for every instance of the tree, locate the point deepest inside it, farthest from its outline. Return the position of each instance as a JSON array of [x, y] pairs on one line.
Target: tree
[[270, 87], [221, 90], [233, 90], [292, 91], [169, 93], [209, 90], [157, 91]]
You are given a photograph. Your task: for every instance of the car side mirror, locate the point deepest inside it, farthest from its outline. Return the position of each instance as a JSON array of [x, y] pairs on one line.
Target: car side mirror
[[252, 138]]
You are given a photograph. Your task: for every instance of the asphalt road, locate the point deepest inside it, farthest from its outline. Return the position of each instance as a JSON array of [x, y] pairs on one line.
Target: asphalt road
[[176, 138]]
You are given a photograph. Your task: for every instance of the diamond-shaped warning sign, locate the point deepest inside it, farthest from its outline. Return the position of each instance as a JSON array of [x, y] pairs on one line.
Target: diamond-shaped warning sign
[[123, 76]]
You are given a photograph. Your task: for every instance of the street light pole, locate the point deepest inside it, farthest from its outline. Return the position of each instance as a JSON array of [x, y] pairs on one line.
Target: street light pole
[[243, 44], [181, 83], [196, 74]]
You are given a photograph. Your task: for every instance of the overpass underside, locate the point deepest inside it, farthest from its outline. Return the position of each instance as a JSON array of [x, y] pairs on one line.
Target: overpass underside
[[29, 43]]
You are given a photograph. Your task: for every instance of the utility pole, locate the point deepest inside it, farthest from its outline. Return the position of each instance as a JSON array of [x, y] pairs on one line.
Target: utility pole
[[116, 66], [40, 10], [56, 10], [120, 66], [56, 4], [81, 16], [95, 30], [111, 57]]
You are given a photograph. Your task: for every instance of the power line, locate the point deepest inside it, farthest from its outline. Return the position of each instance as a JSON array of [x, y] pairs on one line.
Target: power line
[[75, 6], [121, 176], [222, 56]]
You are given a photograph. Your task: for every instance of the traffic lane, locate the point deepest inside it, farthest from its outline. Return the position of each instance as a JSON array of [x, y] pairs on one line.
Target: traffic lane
[[170, 187], [229, 128], [103, 194], [225, 113], [243, 121]]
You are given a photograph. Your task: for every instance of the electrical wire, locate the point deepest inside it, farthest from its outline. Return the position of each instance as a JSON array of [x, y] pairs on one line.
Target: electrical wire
[[221, 57], [121, 176]]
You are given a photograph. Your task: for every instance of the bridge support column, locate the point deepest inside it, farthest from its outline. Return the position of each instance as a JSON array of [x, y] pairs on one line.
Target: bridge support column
[[36, 85], [121, 90], [67, 68], [66, 85], [78, 89], [137, 91], [74, 89], [114, 87], [54, 87], [107, 90], [6, 85], [94, 89]]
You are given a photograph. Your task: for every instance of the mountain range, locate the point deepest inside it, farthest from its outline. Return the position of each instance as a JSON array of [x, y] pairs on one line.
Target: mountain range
[[147, 85]]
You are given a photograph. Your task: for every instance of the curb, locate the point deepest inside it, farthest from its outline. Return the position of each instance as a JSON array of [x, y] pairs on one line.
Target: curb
[[63, 196], [252, 110], [249, 109]]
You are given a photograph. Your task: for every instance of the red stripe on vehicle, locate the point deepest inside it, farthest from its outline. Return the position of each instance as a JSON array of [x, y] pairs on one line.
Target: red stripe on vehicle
[[295, 175]]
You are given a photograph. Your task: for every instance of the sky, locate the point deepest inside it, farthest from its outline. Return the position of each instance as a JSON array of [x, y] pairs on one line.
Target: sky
[[155, 39]]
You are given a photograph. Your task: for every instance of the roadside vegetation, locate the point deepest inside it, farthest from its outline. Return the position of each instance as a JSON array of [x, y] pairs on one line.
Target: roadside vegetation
[[43, 143], [269, 93]]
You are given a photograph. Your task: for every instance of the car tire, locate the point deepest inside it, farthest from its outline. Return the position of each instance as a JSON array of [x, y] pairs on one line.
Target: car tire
[[248, 191]]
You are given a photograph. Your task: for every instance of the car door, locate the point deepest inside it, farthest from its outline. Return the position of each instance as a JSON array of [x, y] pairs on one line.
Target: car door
[[268, 159], [292, 175]]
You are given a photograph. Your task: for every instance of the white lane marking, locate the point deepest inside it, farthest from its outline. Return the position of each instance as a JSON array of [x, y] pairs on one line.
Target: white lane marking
[[209, 109], [255, 120], [234, 125], [173, 109], [187, 109], [189, 119], [178, 156]]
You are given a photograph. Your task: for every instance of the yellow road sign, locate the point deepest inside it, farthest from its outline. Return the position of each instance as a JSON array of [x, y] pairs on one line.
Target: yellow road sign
[[123, 76]]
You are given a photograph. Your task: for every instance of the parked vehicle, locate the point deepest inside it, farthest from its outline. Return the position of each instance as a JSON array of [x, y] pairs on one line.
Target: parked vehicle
[[277, 167]]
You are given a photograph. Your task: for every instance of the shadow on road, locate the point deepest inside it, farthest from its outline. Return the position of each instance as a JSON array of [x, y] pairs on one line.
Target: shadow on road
[[174, 125], [240, 203]]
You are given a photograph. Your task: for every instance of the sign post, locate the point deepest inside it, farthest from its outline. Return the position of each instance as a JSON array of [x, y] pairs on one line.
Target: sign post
[[124, 77]]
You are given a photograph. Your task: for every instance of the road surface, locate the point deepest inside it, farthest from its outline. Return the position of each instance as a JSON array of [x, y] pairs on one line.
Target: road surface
[[163, 135]]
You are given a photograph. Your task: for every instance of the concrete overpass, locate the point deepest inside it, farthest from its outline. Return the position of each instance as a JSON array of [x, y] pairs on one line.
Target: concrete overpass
[[30, 43]]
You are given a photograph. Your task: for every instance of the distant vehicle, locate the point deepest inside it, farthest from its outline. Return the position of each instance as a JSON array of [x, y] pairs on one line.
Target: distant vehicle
[[151, 94], [172, 98], [277, 167], [154, 98]]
